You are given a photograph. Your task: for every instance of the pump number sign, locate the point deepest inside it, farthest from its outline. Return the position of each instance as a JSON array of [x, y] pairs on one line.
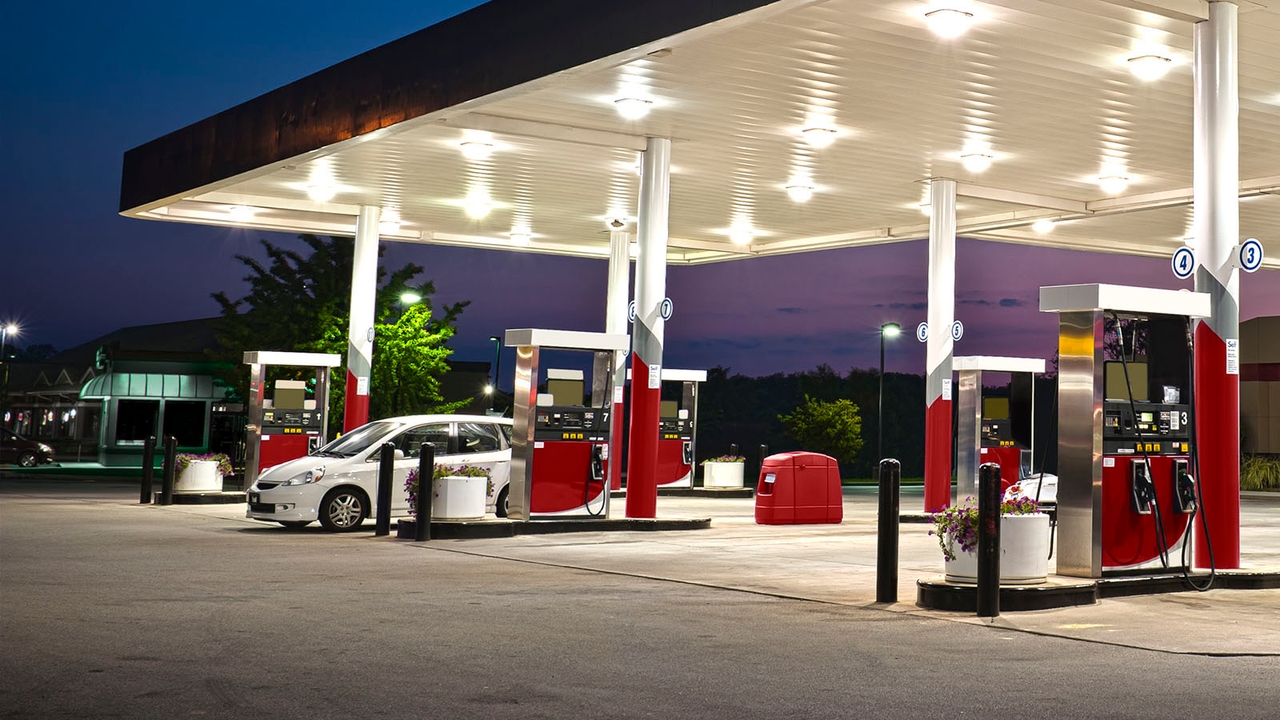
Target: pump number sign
[[1184, 263], [1250, 255], [922, 332]]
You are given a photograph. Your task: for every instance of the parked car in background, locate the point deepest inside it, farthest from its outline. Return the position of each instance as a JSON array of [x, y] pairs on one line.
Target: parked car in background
[[338, 483], [17, 450]]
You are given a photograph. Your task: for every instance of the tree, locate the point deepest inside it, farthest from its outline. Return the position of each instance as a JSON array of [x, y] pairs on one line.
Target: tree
[[301, 303], [33, 353], [831, 428], [408, 362]]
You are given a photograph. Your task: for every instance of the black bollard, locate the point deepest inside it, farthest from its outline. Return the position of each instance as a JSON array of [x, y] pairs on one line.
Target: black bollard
[[989, 540], [890, 473], [148, 471], [386, 466], [422, 509], [170, 472], [764, 453], [733, 449]]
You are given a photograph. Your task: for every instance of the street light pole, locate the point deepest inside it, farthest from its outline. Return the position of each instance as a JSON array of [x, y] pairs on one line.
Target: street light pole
[[5, 331], [886, 330]]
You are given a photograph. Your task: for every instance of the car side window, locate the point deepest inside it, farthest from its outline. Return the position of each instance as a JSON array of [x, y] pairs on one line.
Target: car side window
[[411, 440], [478, 438]]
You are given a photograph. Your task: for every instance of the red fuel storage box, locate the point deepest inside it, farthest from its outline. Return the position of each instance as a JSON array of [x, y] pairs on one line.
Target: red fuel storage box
[[799, 488]]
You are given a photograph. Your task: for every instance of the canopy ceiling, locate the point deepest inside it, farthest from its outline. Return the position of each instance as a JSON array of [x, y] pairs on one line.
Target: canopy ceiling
[[1044, 88]]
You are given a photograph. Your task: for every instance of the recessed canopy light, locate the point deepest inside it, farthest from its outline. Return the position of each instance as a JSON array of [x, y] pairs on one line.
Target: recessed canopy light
[[1042, 226], [520, 238], [948, 22], [819, 137], [633, 108], [1150, 66], [741, 234], [477, 204], [1113, 184], [976, 162], [321, 192], [476, 150], [616, 223], [241, 213], [926, 207], [800, 193]]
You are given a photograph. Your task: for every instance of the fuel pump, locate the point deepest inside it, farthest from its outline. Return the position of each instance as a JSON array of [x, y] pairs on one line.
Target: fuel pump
[[1126, 491], [287, 425], [560, 445], [994, 429], [677, 427]]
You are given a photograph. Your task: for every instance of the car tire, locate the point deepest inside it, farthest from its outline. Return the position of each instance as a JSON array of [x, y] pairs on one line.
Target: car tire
[[500, 505], [343, 509], [295, 524], [27, 459]]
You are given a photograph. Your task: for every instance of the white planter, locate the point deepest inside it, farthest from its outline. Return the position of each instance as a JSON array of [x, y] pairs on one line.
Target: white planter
[[459, 498], [1024, 553], [722, 474], [197, 477]]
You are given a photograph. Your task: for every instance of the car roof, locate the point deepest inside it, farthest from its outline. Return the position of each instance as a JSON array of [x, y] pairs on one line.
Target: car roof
[[446, 418]]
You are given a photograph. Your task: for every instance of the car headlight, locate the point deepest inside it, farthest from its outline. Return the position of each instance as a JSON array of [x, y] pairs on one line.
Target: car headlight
[[305, 478], [44, 448]]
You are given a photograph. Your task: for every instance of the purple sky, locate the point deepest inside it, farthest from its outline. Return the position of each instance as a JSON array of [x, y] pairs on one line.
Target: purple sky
[[88, 80]]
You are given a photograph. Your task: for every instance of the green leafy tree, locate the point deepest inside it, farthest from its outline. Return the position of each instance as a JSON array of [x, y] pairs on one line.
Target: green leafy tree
[[832, 428], [408, 362], [300, 301]]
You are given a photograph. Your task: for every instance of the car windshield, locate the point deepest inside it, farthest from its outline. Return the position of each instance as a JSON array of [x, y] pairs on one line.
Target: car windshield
[[358, 440]]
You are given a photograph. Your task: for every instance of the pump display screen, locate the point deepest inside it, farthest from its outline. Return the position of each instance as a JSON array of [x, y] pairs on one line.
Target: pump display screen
[[1146, 417]]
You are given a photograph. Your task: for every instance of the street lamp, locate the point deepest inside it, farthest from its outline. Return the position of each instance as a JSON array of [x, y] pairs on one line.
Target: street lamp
[[5, 332], [497, 364], [890, 330]]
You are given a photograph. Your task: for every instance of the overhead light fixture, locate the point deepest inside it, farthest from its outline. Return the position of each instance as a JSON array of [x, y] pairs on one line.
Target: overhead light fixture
[[241, 213], [741, 234], [1113, 184], [1150, 66], [800, 193], [819, 137], [1042, 226], [976, 162], [616, 223], [633, 108], [389, 224], [321, 192], [477, 204], [520, 238], [476, 150], [926, 207], [948, 22]]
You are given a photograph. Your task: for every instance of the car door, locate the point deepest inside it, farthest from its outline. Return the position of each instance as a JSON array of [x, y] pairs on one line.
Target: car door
[[439, 435], [484, 445]]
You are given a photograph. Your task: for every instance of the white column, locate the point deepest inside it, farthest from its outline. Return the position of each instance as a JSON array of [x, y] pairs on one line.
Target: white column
[[647, 330], [1216, 187], [615, 322], [942, 313], [364, 289]]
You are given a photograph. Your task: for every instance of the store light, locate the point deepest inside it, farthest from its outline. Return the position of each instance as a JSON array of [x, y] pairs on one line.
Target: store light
[[633, 108], [819, 137], [1150, 66], [800, 193], [948, 22], [1043, 226], [476, 150]]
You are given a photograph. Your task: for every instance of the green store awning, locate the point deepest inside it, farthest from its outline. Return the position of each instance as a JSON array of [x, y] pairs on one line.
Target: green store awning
[[153, 385]]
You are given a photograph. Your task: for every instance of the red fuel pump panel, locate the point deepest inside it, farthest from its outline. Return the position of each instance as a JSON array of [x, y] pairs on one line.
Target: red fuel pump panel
[[1010, 460], [563, 479], [1131, 540], [276, 449]]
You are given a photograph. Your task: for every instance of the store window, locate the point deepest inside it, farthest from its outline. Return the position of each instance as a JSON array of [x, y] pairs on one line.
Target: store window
[[136, 421], [185, 420]]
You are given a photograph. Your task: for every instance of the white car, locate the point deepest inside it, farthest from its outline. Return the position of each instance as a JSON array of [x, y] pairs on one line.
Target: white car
[[338, 483]]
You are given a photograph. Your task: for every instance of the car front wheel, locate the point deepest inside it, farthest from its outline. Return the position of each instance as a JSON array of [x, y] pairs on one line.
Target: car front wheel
[[343, 510], [28, 459]]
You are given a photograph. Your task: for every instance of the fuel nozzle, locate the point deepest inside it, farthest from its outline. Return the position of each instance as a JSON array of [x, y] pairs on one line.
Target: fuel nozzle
[[1143, 491], [1184, 488]]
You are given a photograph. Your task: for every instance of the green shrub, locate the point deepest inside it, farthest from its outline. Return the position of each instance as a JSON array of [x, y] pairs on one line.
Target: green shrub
[[830, 428], [1259, 472]]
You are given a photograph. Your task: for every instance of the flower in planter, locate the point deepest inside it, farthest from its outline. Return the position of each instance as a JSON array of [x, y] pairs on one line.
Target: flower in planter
[[725, 459], [182, 460], [959, 524], [440, 471]]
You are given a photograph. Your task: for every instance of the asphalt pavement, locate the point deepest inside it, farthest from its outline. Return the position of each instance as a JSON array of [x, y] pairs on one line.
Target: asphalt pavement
[[111, 609]]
